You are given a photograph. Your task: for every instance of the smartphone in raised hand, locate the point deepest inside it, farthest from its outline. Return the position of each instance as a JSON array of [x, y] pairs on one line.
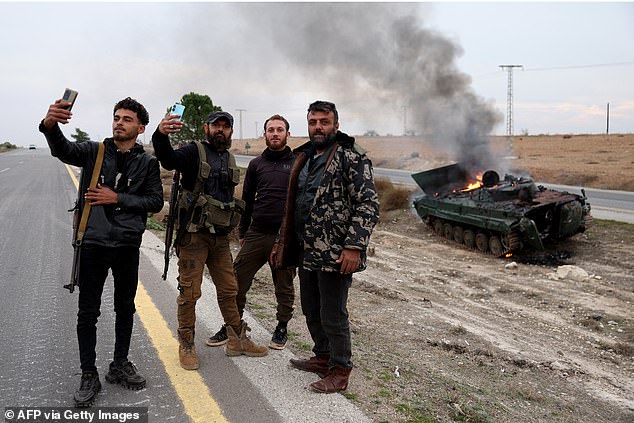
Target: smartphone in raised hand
[[69, 97], [177, 109]]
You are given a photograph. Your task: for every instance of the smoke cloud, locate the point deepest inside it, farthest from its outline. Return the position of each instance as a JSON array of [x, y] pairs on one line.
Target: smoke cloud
[[382, 53]]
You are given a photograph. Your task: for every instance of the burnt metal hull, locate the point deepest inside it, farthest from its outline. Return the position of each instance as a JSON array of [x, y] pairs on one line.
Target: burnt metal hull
[[510, 215]]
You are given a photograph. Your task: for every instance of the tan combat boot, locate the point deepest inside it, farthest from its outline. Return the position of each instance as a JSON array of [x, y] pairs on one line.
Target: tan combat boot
[[241, 344], [187, 351], [187, 356]]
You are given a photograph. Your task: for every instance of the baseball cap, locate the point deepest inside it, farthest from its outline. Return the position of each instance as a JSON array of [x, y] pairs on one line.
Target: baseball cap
[[214, 116]]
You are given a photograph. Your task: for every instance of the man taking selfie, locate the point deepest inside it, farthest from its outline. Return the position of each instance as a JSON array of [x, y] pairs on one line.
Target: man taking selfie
[[128, 187]]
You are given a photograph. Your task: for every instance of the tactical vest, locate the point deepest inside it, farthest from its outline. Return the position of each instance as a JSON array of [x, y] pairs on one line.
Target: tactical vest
[[197, 210]]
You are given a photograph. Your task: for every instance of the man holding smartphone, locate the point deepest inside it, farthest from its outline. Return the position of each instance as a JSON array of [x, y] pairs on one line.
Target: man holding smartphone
[[207, 212], [129, 186]]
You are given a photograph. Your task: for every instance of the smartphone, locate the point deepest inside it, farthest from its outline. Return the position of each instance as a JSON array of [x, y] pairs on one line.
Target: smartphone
[[178, 109], [70, 96]]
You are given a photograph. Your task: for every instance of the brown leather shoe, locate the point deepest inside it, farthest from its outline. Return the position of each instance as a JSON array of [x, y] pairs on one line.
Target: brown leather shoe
[[337, 380], [317, 364]]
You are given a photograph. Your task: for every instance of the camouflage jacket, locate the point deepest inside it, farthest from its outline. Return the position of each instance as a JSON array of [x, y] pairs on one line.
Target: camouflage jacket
[[343, 214]]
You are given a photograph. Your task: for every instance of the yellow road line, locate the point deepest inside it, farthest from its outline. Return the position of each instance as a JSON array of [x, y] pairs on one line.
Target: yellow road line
[[189, 385], [72, 176], [199, 404]]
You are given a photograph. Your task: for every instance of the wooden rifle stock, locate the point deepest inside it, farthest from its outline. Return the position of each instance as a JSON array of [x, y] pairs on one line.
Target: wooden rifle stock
[[80, 220]]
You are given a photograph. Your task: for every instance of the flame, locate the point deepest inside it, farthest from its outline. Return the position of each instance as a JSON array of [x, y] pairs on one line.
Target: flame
[[508, 255], [474, 185]]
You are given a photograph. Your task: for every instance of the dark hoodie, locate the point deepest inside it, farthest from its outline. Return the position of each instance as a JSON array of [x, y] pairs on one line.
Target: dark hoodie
[[264, 191]]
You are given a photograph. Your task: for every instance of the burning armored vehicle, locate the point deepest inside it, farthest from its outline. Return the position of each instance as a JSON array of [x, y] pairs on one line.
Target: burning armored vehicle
[[497, 216]]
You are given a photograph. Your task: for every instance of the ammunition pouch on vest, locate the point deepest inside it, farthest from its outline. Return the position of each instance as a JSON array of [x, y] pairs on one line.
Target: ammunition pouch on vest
[[197, 210]]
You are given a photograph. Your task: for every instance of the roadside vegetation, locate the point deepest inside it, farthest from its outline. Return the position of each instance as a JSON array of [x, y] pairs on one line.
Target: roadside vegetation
[[7, 146]]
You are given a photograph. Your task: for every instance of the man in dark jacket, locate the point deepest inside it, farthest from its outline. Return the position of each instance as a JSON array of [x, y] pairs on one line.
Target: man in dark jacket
[[207, 213], [331, 209], [264, 194], [129, 186]]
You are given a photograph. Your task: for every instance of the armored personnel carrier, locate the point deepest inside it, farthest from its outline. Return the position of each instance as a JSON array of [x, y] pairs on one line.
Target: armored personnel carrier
[[497, 216]]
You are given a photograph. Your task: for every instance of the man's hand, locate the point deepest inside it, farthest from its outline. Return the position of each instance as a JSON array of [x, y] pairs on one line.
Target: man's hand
[[57, 113], [349, 260], [101, 195], [170, 124]]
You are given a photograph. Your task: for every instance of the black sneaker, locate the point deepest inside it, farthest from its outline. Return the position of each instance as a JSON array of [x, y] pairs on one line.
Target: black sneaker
[[279, 339], [88, 390], [220, 338], [125, 374]]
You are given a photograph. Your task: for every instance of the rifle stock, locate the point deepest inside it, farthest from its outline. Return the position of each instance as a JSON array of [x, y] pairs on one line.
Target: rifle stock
[[80, 220], [171, 220]]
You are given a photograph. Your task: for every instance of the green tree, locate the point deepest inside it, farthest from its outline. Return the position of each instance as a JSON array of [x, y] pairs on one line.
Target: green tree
[[197, 108], [80, 136]]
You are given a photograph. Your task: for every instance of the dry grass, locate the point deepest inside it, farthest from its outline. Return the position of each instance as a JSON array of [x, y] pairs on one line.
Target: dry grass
[[391, 197], [597, 161]]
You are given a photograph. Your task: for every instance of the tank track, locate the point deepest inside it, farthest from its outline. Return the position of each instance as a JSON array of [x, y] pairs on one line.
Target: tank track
[[486, 242]]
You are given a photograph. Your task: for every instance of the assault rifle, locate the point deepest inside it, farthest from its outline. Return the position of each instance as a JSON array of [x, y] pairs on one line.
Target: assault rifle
[[171, 220], [80, 220], [74, 274]]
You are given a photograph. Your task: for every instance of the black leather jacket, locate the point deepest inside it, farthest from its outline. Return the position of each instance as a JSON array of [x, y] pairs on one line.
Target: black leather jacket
[[139, 187]]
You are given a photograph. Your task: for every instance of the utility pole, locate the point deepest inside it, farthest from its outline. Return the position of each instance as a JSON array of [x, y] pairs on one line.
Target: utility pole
[[607, 126], [509, 104], [240, 111], [404, 120]]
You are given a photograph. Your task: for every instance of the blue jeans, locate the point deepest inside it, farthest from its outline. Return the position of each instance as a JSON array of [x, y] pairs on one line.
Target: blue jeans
[[324, 299], [93, 270]]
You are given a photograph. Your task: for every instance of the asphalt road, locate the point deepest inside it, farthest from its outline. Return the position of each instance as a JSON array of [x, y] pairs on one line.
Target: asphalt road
[[606, 204], [40, 366]]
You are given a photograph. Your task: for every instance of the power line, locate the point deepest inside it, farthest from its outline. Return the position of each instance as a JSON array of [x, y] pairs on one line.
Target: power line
[[597, 65]]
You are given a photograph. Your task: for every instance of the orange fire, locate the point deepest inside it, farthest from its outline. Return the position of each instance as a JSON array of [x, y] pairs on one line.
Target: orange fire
[[474, 185]]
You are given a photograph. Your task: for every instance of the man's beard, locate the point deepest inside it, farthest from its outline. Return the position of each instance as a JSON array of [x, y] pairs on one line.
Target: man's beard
[[219, 142], [269, 142], [121, 136], [325, 142]]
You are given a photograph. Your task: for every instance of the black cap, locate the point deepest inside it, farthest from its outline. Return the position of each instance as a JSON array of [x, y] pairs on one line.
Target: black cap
[[214, 116]]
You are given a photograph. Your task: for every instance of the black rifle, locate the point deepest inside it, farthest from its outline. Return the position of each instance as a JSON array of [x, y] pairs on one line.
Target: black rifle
[[171, 220], [74, 275]]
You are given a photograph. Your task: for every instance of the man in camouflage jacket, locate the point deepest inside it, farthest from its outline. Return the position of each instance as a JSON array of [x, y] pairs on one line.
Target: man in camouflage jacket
[[331, 209]]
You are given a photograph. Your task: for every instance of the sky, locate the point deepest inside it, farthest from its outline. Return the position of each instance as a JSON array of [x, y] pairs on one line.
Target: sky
[[427, 67]]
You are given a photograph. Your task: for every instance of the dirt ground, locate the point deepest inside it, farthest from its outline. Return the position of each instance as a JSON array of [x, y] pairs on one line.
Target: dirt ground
[[442, 333]]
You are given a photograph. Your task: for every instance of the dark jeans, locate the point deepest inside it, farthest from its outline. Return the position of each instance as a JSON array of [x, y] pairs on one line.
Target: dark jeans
[[94, 264], [252, 256], [324, 298]]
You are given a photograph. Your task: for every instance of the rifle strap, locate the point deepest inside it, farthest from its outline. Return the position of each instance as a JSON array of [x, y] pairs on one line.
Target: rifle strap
[[93, 183]]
